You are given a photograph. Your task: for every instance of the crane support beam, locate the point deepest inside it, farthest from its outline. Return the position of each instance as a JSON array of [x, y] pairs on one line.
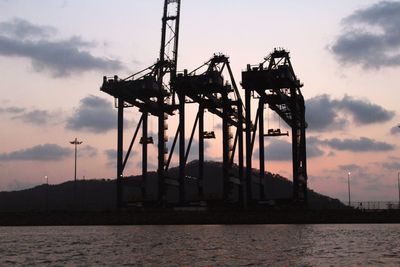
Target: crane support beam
[[276, 84], [160, 91], [149, 91], [221, 97]]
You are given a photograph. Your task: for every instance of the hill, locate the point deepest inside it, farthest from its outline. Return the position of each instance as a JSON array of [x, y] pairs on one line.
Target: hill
[[100, 194]]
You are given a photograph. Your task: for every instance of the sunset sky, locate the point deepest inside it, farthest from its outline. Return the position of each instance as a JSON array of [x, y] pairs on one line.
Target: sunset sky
[[54, 53]]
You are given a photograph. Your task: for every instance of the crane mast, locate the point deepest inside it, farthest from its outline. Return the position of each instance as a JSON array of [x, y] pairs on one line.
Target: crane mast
[[150, 91], [168, 64], [160, 91]]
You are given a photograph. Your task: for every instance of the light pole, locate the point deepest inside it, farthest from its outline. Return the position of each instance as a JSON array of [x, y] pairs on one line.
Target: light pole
[[398, 185], [47, 192], [348, 186], [75, 143]]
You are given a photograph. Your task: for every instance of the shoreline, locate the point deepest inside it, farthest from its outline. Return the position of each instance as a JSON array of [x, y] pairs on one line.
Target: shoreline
[[158, 217]]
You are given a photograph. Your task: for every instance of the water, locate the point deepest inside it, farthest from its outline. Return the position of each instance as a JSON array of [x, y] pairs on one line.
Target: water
[[203, 245]]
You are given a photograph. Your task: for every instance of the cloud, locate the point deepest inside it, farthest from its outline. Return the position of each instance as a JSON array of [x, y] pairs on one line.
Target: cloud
[[363, 144], [151, 165], [36, 117], [395, 130], [19, 28], [194, 148], [12, 110], [391, 165], [111, 155], [94, 114], [364, 112], [358, 145], [331, 154], [20, 38], [322, 115], [371, 37], [313, 147], [32, 116], [326, 114], [88, 151], [217, 126], [46, 152], [280, 150], [350, 167]]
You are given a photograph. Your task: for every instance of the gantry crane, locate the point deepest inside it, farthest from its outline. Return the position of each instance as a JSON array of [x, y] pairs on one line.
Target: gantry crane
[[160, 91], [275, 83], [221, 97], [150, 91]]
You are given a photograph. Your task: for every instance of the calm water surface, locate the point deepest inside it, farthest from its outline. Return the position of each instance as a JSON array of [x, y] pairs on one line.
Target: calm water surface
[[211, 245]]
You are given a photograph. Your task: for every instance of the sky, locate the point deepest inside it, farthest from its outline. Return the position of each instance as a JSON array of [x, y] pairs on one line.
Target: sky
[[54, 53]]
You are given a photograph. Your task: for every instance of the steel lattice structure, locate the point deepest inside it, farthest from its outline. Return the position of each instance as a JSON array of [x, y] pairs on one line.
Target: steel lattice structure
[[222, 98], [276, 84], [149, 91], [160, 91]]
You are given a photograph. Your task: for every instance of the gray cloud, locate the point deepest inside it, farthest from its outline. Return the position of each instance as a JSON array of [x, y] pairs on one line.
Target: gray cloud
[[19, 28], [46, 152], [358, 145], [326, 114], [395, 130], [217, 126], [32, 116], [313, 147], [111, 155], [150, 165], [279, 150], [94, 114], [36, 117], [331, 154], [322, 114], [371, 37], [391, 165], [364, 112], [20, 38], [12, 110], [362, 144], [194, 148], [88, 151], [350, 167]]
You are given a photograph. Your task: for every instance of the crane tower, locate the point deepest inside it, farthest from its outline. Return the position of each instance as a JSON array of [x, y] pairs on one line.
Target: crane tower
[[160, 91], [150, 91], [276, 84]]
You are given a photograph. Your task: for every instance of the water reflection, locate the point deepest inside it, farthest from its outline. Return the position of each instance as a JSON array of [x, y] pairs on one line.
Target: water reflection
[[200, 245]]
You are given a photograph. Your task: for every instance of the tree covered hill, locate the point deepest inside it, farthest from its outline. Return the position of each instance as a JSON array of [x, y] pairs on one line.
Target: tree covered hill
[[100, 194]]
